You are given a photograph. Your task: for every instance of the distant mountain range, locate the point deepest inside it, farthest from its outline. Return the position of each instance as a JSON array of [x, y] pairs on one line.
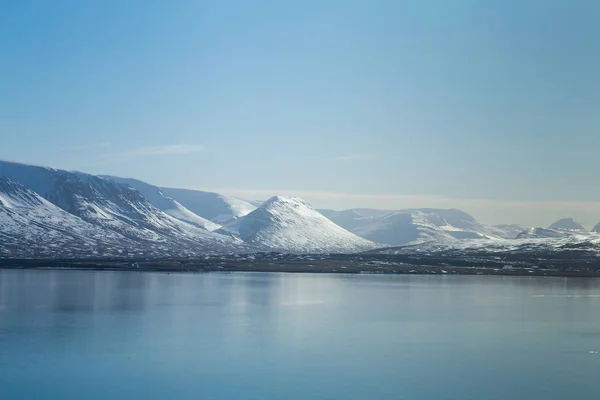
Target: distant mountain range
[[567, 224], [49, 213], [413, 226]]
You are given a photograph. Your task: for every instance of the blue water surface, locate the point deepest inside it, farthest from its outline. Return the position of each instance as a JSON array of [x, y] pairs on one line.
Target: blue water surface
[[135, 335]]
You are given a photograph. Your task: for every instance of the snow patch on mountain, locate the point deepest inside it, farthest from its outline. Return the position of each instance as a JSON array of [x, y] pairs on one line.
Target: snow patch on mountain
[[158, 199], [212, 206], [293, 225]]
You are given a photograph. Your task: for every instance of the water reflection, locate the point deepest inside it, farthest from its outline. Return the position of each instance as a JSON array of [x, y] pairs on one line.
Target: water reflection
[[253, 335]]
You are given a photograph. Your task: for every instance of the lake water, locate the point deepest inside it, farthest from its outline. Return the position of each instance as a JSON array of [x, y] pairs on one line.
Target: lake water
[[122, 335]]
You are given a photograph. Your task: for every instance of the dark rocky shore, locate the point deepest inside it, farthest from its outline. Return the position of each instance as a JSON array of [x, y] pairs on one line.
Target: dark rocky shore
[[471, 264]]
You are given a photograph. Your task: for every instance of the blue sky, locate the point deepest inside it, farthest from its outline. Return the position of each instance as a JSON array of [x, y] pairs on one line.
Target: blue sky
[[491, 106]]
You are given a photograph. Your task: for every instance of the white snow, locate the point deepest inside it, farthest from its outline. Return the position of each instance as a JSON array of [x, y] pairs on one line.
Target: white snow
[[31, 225], [292, 224], [118, 209], [215, 207], [411, 226], [581, 240], [158, 199], [45, 211]]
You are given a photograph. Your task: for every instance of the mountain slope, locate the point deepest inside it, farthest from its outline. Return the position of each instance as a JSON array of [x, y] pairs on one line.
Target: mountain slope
[[31, 226], [170, 206], [506, 231], [293, 225], [118, 208], [348, 219], [212, 206]]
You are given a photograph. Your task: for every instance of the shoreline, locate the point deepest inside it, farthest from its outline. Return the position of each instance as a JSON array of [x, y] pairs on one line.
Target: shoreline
[[330, 264]]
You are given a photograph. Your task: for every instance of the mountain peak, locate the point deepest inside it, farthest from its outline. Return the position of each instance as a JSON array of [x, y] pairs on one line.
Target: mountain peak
[[290, 223], [288, 201], [567, 224]]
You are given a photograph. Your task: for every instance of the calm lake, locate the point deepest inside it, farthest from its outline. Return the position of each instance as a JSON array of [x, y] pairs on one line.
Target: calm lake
[[124, 335]]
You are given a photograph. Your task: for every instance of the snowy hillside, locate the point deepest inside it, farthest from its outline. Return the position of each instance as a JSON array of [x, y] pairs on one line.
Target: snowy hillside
[[411, 226], [506, 231], [293, 225], [117, 208], [31, 226], [157, 198], [45, 212], [212, 206], [584, 241]]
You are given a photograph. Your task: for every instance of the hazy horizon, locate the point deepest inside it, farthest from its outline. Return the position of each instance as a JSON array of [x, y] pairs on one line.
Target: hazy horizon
[[488, 107]]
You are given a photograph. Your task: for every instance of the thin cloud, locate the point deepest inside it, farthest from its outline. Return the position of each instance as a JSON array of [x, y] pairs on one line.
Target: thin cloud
[[90, 146], [170, 149], [148, 151], [354, 157]]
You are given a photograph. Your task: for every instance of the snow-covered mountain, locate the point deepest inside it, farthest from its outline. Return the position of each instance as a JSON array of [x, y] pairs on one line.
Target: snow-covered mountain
[[411, 226], [506, 231], [524, 251], [117, 208], [567, 224], [293, 225], [563, 228], [31, 226], [596, 228], [348, 219], [106, 216], [212, 206], [157, 198], [46, 212]]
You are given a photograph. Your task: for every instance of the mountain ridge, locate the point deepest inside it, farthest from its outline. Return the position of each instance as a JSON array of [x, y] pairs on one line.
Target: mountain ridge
[[156, 197], [115, 217], [117, 208]]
